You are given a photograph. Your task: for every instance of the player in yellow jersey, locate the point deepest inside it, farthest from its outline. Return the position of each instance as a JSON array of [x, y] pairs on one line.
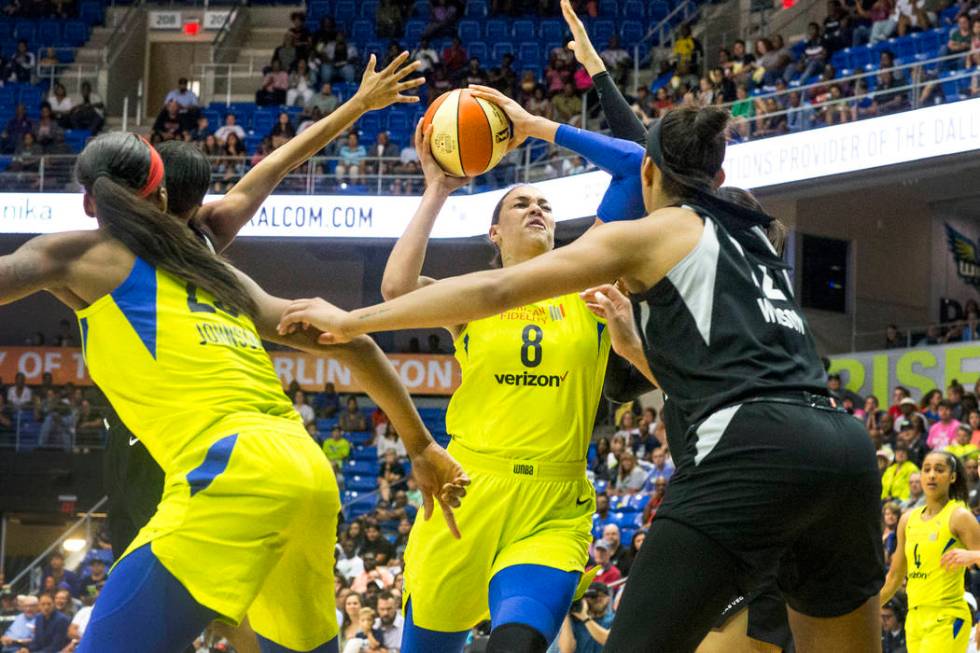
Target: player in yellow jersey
[[171, 333], [521, 422], [934, 543]]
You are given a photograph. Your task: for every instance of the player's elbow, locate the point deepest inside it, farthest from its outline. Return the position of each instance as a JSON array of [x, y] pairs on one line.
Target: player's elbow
[[392, 288]]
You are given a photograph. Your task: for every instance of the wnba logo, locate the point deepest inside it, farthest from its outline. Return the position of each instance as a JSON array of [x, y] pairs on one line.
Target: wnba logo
[[524, 469]]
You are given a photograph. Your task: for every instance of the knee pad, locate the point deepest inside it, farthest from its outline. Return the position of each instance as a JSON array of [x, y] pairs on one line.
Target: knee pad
[[516, 638]]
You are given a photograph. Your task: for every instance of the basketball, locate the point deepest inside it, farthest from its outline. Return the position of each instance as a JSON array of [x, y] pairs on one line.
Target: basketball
[[469, 135]]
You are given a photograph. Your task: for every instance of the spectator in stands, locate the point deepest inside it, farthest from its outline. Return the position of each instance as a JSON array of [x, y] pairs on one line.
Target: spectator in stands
[[630, 477], [474, 73], [973, 420], [390, 441], [304, 409], [338, 58], [630, 556], [185, 99], [890, 513], [895, 481], [376, 544], [862, 105], [80, 622], [909, 413], [349, 623], [61, 105], [54, 413], [89, 424], [608, 572], [325, 101], [21, 631], [373, 573], [92, 582], [539, 105], [439, 81], [814, 57], [230, 127], [302, 39], [275, 83], [893, 338], [628, 430], [905, 15], [366, 638], [943, 432], [662, 470], [454, 57], [352, 156], [47, 130], [769, 119], [19, 396], [912, 439], [442, 20], [390, 621], [56, 569], [687, 52], [963, 448], [283, 130], [930, 404], [287, 53], [390, 19], [587, 625], [63, 602], [893, 628], [8, 607], [14, 130], [617, 60], [301, 82], [391, 471], [168, 123], [954, 395], [50, 628], [88, 110], [5, 421], [836, 27], [352, 420], [21, 64], [202, 130], [327, 403], [425, 54], [383, 148], [916, 497], [568, 106]]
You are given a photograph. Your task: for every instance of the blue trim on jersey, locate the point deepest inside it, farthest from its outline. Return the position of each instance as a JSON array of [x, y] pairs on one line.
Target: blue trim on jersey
[[215, 462], [137, 299], [601, 327], [268, 646], [466, 344], [949, 544], [416, 639], [957, 625], [143, 602], [534, 595], [83, 324]]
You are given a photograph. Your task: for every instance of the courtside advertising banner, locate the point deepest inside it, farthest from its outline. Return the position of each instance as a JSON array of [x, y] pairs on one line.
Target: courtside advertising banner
[[422, 374], [852, 147]]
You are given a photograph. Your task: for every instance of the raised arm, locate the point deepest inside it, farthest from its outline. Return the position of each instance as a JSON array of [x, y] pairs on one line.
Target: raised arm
[[899, 566], [403, 273], [437, 473], [42, 263], [378, 89]]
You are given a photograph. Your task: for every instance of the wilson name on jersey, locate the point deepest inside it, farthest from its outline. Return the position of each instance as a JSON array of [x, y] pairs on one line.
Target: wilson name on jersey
[[532, 379]]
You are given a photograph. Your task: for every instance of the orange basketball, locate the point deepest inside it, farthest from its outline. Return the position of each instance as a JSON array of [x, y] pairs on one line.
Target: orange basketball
[[469, 134]]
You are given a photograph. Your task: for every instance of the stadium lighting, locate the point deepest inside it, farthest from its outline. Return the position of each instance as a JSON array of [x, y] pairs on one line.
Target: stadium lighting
[[73, 544]]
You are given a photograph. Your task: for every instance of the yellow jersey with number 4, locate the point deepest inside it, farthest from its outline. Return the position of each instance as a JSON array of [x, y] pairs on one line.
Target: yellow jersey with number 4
[[174, 362], [925, 543], [531, 381]]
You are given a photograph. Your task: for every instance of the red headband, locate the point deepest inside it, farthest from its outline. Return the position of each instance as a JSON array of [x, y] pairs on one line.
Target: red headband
[[155, 175]]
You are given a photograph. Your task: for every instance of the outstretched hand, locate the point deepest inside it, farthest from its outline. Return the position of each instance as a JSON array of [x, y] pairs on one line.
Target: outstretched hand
[[520, 119], [317, 313], [609, 303], [383, 88], [440, 478], [959, 558], [580, 44]]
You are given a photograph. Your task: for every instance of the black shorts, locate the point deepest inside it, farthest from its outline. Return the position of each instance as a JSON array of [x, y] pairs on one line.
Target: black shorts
[[768, 621], [791, 491], [133, 483]]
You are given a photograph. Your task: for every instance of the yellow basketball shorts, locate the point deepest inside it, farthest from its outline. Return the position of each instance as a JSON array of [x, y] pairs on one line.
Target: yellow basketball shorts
[[515, 512], [248, 524], [934, 629]]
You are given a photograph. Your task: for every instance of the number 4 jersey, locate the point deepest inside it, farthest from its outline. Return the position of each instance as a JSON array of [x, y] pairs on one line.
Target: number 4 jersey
[[532, 380], [174, 363]]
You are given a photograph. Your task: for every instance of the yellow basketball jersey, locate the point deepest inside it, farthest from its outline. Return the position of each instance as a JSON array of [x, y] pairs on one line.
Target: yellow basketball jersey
[[925, 543], [173, 362], [531, 381]]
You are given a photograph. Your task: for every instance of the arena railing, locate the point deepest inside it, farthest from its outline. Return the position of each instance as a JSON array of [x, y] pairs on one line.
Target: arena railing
[[25, 433]]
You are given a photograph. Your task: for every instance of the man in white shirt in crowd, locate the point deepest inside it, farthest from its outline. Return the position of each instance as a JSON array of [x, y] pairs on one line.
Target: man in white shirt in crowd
[[390, 622], [304, 409], [229, 128], [19, 396]]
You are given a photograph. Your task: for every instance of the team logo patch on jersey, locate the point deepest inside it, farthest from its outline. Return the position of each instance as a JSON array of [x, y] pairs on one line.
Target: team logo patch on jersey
[[557, 312]]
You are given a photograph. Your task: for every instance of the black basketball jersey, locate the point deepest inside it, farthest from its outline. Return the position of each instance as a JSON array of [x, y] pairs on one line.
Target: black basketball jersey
[[723, 326]]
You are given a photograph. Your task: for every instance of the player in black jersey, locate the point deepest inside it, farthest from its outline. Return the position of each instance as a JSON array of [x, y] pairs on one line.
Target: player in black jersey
[[771, 476]]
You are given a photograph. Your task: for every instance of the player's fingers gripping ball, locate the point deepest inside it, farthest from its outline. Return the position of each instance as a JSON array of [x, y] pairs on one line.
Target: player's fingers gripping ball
[[469, 135]]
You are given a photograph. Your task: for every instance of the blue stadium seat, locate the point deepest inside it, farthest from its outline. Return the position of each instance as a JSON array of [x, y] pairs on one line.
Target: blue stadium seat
[[365, 453], [524, 30], [75, 33], [31, 97], [48, 32], [25, 30], [398, 121], [413, 30], [344, 11], [633, 9], [496, 30], [535, 68], [479, 50], [8, 95], [500, 49], [630, 32], [422, 9], [361, 483], [608, 8], [551, 30], [75, 138], [6, 31], [529, 53], [369, 9], [859, 56], [361, 468], [601, 486], [601, 31], [374, 47], [359, 509], [362, 438], [264, 119], [468, 30], [638, 502], [317, 9], [362, 31], [91, 12], [658, 10], [252, 143], [371, 121], [626, 534], [476, 8]]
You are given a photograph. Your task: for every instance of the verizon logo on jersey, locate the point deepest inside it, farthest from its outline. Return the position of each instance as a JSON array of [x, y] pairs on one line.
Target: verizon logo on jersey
[[786, 317], [531, 380]]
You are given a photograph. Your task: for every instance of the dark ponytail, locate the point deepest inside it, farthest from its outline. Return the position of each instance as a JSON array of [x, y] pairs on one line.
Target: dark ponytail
[[112, 168], [187, 175], [692, 141], [775, 232]]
